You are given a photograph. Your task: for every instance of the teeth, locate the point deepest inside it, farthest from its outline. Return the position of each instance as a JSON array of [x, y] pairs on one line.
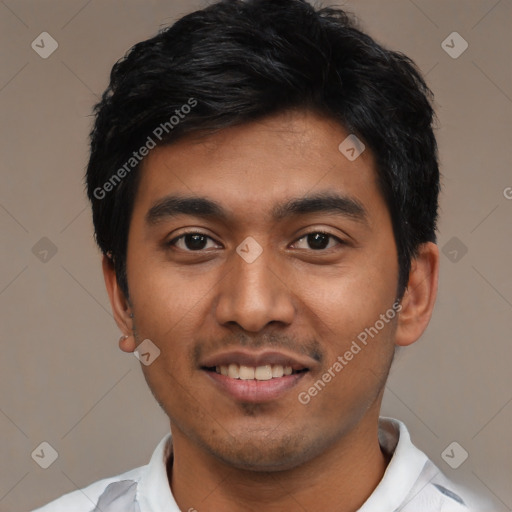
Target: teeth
[[246, 373], [263, 372], [277, 370], [267, 372], [233, 371]]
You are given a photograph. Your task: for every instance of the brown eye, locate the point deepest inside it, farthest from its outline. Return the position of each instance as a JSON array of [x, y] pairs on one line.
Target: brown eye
[[191, 242], [318, 240]]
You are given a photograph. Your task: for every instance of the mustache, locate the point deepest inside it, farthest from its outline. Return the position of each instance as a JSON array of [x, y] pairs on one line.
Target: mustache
[[310, 347]]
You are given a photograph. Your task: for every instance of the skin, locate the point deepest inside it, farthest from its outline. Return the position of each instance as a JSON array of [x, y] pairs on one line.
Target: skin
[[282, 455]]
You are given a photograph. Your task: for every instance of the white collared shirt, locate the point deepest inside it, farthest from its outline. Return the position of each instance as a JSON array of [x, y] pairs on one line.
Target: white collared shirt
[[411, 483]]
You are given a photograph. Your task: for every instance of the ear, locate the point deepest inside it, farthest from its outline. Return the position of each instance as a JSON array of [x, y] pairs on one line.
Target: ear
[[120, 306], [420, 296]]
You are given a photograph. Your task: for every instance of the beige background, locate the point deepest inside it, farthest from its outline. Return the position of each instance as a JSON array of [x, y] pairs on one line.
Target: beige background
[[63, 378]]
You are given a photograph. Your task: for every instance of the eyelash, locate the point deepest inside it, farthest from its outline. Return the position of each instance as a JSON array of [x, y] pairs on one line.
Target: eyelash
[[172, 242]]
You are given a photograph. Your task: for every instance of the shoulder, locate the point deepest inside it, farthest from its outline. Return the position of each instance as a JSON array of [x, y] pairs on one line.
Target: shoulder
[[448, 495], [122, 492], [415, 482], [86, 499]]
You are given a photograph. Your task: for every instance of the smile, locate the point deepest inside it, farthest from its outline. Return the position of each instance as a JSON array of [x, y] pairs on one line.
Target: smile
[[256, 377]]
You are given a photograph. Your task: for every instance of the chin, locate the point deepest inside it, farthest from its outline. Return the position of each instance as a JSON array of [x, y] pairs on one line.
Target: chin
[[263, 454]]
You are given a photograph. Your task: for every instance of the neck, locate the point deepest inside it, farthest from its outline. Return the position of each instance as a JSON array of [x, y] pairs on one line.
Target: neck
[[341, 479]]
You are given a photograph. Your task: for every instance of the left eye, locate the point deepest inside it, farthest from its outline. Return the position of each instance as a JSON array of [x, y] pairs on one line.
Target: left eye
[[319, 241]]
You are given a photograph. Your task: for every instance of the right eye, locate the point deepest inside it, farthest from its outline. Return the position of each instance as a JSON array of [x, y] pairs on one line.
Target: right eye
[[190, 242]]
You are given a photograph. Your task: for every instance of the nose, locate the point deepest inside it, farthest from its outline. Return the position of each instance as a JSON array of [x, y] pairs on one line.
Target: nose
[[254, 294]]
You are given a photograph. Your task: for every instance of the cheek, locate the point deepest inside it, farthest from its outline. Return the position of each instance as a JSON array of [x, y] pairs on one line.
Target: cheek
[[347, 300], [168, 309], [165, 298]]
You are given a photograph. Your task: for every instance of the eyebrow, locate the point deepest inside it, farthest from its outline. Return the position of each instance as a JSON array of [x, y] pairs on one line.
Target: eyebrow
[[323, 202]]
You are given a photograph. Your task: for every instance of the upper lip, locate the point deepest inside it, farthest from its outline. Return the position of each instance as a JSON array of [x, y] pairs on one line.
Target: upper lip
[[255, 359]]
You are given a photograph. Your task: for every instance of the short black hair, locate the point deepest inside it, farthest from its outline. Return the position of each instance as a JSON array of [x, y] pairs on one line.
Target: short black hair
[[237, 61]]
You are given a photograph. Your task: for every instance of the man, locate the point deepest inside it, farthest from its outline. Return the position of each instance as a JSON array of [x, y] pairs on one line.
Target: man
[[264, 186]]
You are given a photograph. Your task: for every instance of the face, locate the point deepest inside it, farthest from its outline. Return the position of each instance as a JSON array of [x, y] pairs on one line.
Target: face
[[256, 252]]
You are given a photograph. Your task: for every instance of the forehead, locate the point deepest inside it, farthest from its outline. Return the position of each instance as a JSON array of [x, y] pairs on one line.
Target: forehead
[[251, 169]]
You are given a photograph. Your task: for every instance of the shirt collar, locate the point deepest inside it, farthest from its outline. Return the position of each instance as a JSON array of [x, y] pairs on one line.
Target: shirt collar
[[402, 472], [154, 492]]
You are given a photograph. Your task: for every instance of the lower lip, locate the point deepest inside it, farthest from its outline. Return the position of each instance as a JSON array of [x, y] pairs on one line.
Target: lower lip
[[255, 391]]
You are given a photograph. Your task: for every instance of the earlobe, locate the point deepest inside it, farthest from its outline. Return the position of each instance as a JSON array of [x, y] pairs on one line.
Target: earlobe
[[420, 296], [120, 306], [127, 343]]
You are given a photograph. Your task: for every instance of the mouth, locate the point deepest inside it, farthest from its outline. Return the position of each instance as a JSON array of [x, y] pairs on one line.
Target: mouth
[[255, 377]]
